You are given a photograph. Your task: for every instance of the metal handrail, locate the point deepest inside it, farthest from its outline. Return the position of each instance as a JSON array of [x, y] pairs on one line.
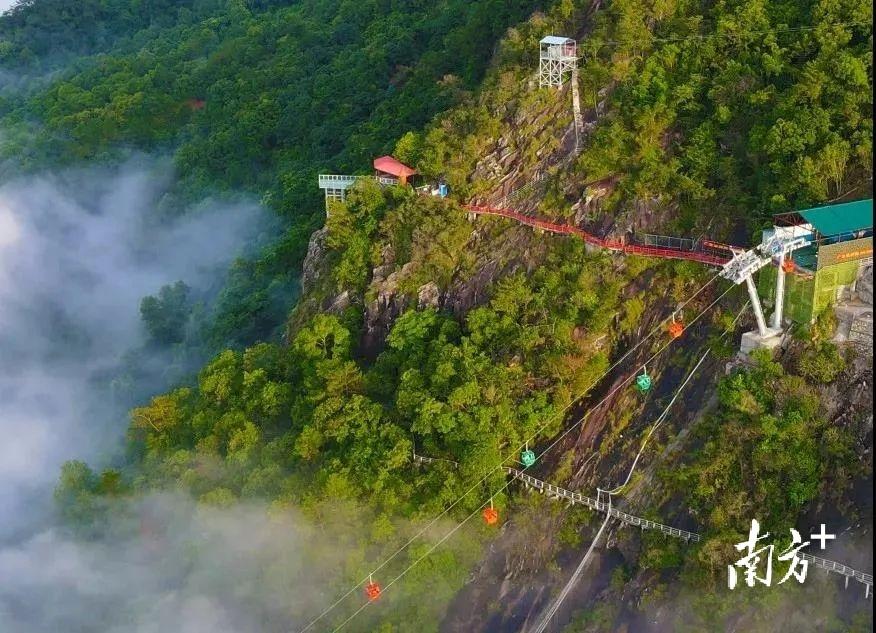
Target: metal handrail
[[615, 245], [646, 524], [337, 179]]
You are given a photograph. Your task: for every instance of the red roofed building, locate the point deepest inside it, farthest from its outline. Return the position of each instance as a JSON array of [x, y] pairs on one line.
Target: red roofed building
[[390, 168]]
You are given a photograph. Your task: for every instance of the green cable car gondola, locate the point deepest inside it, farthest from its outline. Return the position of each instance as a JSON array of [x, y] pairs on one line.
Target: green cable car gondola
[[527, 458], [643, 381]]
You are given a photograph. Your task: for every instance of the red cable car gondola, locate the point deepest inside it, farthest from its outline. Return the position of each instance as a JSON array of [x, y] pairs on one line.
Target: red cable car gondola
[[788, 265], [676, 329], [491, 515], [372, 590]]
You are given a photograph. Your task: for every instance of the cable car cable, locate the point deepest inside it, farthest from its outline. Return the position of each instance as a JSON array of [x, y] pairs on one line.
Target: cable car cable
[[662, 417], [656, 329], [627, 380], [573, 579], [508, 483]]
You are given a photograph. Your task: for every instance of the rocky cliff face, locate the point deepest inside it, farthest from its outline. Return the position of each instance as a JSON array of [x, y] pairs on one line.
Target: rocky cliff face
[[536, 137], [314, 262], [531, 558], [498, 250], [528, 563], [318, 292], [388, 304]]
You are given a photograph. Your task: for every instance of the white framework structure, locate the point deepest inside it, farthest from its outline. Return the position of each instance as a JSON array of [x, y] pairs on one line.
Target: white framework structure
[[336, 185], [557, 56], [776, 245]]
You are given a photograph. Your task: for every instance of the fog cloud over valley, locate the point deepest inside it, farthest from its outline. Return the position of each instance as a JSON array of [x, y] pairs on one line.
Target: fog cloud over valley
[[167, 565], [78, 251]]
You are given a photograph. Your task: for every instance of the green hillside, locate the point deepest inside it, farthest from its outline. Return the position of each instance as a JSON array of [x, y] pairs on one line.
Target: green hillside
[[704, 119]]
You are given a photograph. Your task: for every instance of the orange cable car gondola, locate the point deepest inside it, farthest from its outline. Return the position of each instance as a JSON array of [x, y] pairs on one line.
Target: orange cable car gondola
[[372, 590], [491, 515], [676, 328], [788, 265]]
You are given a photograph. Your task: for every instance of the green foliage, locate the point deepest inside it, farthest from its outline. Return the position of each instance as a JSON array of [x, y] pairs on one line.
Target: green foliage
[[40, 32], [822, 330], [258, 293], [165, 315], [431, 238], [77, 480], [764, 454], [236, 89], [82, 495], [822, 363], [634, 308], [726, 106], [597, 619], [254, 96], [351, 225], [709, 105]]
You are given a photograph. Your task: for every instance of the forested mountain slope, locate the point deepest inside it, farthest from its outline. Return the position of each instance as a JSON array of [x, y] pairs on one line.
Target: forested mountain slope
[[417, 329], [248, 98]]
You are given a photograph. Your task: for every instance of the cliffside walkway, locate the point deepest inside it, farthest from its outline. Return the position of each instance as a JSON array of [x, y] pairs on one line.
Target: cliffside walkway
[[703, 251], [556, 492]]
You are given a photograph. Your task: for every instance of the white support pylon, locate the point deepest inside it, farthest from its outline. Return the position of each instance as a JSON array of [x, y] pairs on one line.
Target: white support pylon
[[780, 293], [745, 263], [755, 305]]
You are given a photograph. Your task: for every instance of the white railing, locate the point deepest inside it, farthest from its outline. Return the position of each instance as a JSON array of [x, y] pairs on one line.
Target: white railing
[[555, 492], [337, 181], [576, 497]]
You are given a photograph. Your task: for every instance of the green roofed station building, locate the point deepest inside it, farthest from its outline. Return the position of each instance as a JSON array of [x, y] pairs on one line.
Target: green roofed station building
[[829, 268]]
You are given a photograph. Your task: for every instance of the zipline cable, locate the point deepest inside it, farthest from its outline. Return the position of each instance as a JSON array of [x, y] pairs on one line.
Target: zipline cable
[[662, 417], [508, 483], [501, 464], [573, 579]]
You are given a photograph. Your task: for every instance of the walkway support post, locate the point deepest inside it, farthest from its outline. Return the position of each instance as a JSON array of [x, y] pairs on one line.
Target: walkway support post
[[780, 293], [755, 304], [576, 110]]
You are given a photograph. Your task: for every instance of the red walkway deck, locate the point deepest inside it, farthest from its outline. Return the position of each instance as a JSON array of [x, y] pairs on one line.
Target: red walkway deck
[[697, 255]]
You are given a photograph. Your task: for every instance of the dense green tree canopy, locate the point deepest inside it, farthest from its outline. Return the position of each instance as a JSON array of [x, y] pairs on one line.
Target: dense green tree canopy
[[713, 112]]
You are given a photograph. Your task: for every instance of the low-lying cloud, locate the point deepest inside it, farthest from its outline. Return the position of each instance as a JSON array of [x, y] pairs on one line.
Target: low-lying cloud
[[168, 565], [78, 250]]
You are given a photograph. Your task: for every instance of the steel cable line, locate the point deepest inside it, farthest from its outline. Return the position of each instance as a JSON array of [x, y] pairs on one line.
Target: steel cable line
[[632, 376], [545, 621], [657, 423], [502, 463], [428, 552], [510, 481], [574, 400], [573, 579], [662, 417]]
